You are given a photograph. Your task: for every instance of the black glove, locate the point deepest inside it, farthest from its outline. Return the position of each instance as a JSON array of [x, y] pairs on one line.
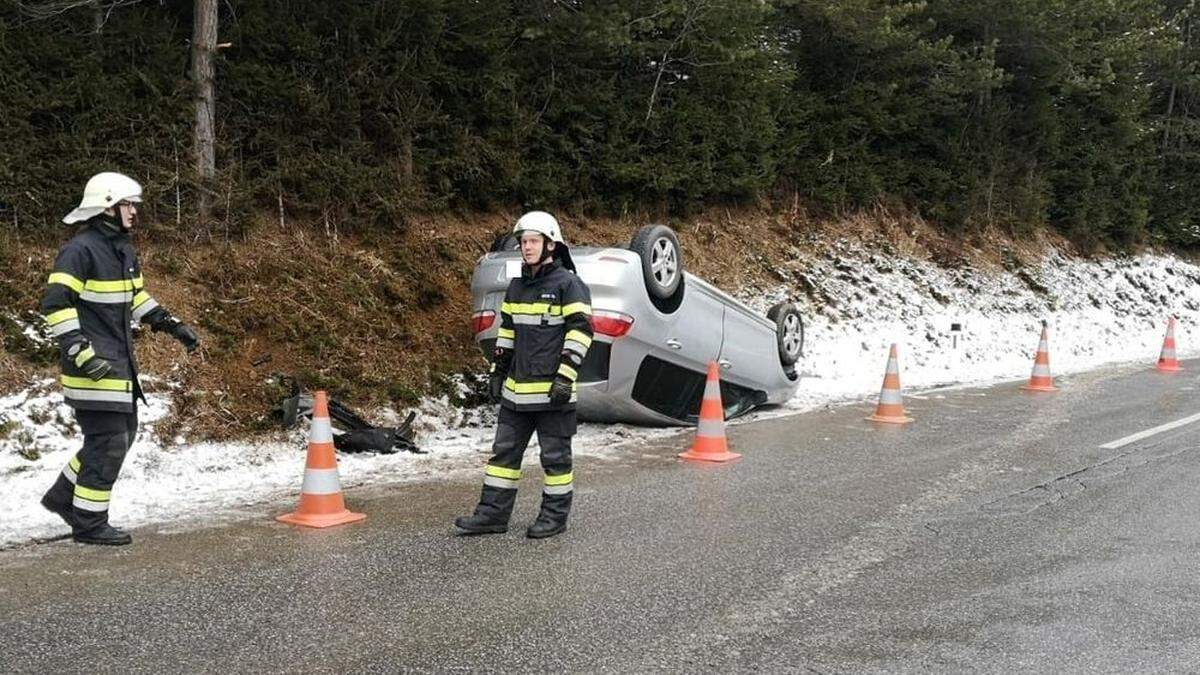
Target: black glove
[[496, 386], [94, 367], [560, 390], [184, 333]]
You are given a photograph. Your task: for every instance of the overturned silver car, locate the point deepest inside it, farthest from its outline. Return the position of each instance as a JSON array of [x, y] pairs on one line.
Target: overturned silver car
[[657, 328]]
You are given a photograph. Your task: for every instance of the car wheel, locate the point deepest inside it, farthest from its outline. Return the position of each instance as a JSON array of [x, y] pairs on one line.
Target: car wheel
[[507, 241], [662, 260], [789, 332]]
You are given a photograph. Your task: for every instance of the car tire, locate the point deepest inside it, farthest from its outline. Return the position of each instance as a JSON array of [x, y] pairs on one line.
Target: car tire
[[507, 241], [789, 332], [662, 260]]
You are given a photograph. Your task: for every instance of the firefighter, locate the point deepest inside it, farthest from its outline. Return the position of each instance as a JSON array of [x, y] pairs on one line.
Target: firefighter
[[92, 296], [545, 333]]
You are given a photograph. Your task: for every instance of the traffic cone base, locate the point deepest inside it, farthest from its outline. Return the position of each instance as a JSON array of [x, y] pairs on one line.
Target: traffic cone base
[[891, 404], [346, 516], [321, 502], [889, 419], [708, 456], [710, 444]]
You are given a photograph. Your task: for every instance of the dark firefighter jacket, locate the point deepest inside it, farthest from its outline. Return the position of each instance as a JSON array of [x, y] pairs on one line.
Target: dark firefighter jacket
[[93, 294], [545, 331]]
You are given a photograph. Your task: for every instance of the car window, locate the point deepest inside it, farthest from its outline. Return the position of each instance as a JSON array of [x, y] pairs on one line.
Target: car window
[[676, 392]]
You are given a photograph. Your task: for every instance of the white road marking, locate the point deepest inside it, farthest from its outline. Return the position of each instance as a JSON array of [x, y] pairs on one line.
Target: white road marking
[[1150, 432]]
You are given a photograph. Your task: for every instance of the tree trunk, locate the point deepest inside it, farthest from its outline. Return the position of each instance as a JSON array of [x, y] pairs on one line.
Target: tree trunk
[[204, 47], [1183, 55], [406, 157], [97, 17]]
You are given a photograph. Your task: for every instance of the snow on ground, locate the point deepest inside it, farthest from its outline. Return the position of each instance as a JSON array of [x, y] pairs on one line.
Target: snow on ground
[[1098, 312], [856, 303]]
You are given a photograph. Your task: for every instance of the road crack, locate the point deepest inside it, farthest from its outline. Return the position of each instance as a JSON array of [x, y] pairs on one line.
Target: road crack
[[1069, 484]]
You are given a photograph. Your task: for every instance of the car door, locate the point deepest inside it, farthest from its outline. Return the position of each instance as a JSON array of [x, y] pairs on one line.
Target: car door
[[693, 333], [671, 375], [749, 360]]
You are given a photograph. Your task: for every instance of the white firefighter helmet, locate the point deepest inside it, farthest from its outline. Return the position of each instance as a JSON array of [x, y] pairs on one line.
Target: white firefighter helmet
[[546, 225], [539, 221], [103, 191]]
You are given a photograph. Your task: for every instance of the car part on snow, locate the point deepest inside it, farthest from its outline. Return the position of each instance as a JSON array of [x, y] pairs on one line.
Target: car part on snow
[[359, 435], [383, 440], [789, 332]]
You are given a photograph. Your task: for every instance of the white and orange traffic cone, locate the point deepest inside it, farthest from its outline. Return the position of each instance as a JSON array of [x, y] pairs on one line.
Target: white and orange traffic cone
[[891, 404], [1167, 363], [321, 502], [1041, 379], [710, 444]]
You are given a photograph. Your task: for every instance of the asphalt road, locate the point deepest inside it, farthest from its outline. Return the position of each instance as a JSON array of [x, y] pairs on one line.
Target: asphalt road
[[994, 534]]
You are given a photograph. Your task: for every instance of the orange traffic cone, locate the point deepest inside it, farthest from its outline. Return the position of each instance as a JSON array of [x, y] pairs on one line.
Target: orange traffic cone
[[1041, 379], [321, 502], [710, 445], [891, 406], [1166, 361]]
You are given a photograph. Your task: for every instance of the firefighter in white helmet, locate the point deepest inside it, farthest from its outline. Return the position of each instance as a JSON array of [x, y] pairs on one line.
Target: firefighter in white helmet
[[545, 332], [94, 293]]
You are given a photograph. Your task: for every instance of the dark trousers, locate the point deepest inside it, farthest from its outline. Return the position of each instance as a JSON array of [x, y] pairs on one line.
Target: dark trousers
[[503, 472], [86, 482]]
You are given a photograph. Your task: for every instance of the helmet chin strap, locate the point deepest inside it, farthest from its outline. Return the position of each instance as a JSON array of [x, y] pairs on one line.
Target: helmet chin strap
[[546, 252], [113, 221]]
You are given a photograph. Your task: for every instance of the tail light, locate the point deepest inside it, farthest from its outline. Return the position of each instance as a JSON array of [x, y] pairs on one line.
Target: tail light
[[612, 324], [482, 320]]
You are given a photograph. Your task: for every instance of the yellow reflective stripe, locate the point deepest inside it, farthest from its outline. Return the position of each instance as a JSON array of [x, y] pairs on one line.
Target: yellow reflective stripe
[[66, 280], [140, 299], [568, 371], [564, 479], [531, 308], [83, 356], [75, 464], [507, 333], [92, 495], [501, 472], [62, 315], [577, 308], [88, 383], [138, 284], [580, 337], [117, 286], [527, 387]]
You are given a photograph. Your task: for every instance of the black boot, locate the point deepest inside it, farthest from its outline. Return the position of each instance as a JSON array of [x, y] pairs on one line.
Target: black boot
[[104, 535], [491, 513], [545, 527], [481, 524], [61, 509], [552, 519]]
